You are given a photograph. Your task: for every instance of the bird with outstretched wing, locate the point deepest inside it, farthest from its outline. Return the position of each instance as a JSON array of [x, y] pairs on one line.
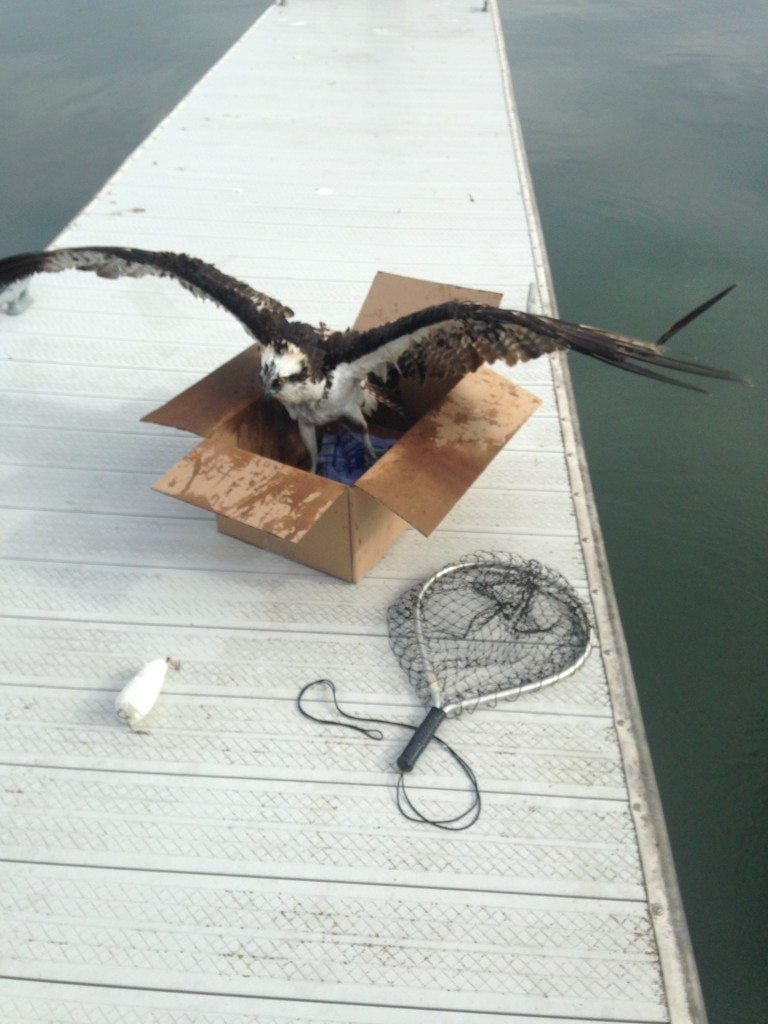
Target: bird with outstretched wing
[[320, 375]]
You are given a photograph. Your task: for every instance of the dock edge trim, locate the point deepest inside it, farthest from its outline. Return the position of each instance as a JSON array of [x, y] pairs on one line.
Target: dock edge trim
[[680, 976]]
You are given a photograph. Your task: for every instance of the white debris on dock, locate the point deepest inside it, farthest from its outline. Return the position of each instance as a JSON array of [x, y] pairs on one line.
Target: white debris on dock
[[137, 698]]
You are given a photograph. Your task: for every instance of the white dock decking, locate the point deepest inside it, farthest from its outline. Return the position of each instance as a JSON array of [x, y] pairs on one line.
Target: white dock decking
[[234, 862]]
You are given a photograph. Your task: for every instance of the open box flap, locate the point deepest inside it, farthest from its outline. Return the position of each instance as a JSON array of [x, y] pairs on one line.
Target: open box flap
[[255, 491], [202, 406], [392, 295], [422, 477]]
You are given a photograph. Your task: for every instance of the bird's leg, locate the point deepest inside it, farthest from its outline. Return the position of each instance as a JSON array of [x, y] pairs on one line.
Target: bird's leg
[[308, 433], [370, 450], [358, 416]]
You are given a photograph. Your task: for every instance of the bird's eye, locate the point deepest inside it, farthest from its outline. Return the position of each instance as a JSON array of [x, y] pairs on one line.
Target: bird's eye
[[279, 381]]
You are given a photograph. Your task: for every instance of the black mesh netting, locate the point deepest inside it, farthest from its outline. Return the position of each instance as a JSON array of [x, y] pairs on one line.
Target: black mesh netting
[[491, 623]]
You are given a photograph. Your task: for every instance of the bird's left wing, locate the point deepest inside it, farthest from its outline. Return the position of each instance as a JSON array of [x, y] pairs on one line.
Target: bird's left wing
[[260, 314], [457, 337]]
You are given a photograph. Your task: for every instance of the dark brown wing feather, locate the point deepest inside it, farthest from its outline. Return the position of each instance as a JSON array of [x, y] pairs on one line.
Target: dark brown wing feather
[[263, 316], [457, 337]]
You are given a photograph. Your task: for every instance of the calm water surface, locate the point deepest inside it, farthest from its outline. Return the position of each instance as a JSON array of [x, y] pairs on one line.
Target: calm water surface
[[645, 124], [647, 132]]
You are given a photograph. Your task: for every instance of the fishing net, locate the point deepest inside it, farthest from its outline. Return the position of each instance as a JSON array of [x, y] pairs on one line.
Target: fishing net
[[489, 627]]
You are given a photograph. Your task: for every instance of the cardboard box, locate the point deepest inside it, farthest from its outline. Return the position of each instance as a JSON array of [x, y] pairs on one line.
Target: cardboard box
[[248, 468]]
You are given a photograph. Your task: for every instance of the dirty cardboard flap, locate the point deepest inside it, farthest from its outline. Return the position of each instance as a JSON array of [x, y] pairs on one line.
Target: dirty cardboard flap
[[200, 407], [252, 490], [393, 295], [441, 456]]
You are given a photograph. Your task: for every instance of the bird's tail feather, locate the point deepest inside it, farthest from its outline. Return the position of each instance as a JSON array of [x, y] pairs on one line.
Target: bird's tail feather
[[626, 352], [689, 317], [644, 371]]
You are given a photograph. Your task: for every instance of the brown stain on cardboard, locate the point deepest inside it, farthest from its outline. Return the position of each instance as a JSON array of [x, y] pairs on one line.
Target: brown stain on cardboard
[[248, 488]]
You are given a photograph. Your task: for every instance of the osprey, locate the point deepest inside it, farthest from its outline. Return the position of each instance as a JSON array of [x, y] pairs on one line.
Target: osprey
[[320, 375]]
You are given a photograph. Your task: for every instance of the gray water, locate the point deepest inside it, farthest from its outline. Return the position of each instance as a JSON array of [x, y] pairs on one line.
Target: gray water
[[645, 124]]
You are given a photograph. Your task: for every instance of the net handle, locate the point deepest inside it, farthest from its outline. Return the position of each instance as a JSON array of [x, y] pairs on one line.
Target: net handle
[[420, 739], [429, 726]]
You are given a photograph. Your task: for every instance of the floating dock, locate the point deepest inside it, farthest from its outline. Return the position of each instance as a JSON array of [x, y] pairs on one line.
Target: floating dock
[[235, 863]]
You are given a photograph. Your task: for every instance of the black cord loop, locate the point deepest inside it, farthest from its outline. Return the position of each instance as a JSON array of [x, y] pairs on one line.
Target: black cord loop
[[405, 803]]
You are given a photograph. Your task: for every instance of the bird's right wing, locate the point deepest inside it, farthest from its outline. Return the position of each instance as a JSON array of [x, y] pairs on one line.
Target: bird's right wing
[[456, 337], [261, 315]]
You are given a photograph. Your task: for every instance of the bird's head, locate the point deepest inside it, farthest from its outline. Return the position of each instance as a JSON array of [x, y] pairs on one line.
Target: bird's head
[[285, 374]]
